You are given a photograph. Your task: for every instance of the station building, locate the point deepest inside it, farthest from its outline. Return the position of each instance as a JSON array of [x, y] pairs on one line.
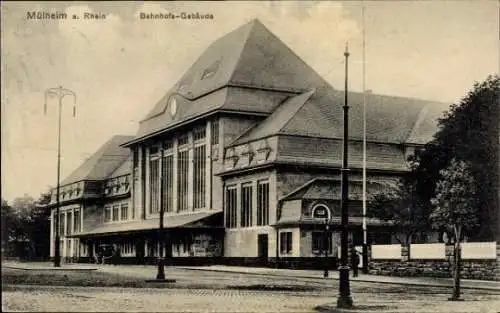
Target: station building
[[240, 153]]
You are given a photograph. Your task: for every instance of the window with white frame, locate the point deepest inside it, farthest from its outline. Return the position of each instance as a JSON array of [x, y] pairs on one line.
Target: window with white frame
[[199, 172], [154, 183], [116, 213], [199, 134], [214, 133], [246, 205], [183, 180], [69, 224], [286, 243], [262, 203], [124, 211], [231, 207], [61, 223], [183, 140], [168, 181], [77, 221], [107, 214]]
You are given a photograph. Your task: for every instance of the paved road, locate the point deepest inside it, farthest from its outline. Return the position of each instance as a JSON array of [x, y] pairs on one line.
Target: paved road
[[188, 296], [79, 299]]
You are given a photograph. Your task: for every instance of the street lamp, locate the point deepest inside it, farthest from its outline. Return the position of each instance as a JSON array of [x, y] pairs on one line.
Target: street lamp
[[325, 248], [344, 300], [160, 275], [60, 92]]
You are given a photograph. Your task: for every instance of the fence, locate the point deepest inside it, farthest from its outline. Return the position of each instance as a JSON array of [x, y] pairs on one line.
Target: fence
[[427, 251], [479, 260]]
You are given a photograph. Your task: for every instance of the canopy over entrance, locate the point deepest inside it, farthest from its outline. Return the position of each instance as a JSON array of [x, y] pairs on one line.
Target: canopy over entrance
[[198, 220]]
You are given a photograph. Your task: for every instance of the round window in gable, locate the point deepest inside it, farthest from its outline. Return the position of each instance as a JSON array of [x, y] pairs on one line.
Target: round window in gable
[[173, 106]]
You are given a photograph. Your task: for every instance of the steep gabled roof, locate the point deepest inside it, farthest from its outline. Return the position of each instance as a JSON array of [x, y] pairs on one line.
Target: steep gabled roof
[[329, 189], [108, 158], [389, 119], [124, 169], [248, 57], [278, 119]]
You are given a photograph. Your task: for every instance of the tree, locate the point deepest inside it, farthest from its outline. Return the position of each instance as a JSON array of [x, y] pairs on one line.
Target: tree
[[469, 132], [399, 206], [9, 228], [26, 227], [38, 227], [455, 209]]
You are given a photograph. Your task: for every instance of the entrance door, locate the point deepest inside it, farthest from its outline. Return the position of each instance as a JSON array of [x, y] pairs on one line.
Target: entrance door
[[262, 246]]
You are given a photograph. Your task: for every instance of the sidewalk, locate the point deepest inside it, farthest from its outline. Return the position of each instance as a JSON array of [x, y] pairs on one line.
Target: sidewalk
[[48, 266], [334, 275]]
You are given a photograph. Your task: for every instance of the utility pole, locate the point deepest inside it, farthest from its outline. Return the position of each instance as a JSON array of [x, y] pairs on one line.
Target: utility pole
[[365, 230], [325, 247], [344, 300], [59, 92]]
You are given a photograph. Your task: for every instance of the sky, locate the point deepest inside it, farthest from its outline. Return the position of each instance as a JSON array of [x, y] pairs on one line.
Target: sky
[[120, 66]]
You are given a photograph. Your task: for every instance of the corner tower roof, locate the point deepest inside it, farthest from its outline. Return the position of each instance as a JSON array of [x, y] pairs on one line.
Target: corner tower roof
[[106, 160]]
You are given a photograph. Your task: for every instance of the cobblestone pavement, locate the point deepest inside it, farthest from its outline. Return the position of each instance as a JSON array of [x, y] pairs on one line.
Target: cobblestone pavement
[[80, 299]]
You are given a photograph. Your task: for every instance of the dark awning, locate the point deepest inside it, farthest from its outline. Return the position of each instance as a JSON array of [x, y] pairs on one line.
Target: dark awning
[[188, 220]]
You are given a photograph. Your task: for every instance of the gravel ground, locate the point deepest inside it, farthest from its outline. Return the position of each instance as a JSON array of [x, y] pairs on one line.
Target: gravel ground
[[80, 299]]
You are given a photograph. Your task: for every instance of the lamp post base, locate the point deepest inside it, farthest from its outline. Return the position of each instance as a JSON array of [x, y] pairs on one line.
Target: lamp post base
[[344, 302], [165, 280], [160, 275]]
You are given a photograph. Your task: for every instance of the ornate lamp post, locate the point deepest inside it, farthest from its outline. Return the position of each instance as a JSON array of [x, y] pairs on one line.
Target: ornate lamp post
[[344, 300], [160, 275], [59, 92], [321, 212], [325, 248]]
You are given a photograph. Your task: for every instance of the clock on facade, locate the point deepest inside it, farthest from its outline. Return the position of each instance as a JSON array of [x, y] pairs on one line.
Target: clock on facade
[[173, 106]]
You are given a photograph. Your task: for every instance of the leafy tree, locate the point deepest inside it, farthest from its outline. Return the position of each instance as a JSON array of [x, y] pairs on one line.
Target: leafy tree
[[38, 227], [468, 132], [398, 206], [11, 229], [25, 227], [455, 208]]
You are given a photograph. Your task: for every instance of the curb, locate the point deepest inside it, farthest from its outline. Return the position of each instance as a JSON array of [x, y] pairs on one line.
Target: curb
[[357, 280]]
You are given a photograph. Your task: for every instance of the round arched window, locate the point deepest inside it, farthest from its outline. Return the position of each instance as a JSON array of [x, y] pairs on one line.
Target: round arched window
[[321, 211], [173, 106]]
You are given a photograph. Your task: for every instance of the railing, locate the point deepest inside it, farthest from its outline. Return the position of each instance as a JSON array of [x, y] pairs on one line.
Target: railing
[[428, 251], [386, 252], [479, 250]]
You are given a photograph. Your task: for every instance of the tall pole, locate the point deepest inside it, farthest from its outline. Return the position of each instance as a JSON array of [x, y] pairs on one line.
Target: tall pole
[[59, 92], [160, 275], [325, 247], [344, 300], [365, 231]]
